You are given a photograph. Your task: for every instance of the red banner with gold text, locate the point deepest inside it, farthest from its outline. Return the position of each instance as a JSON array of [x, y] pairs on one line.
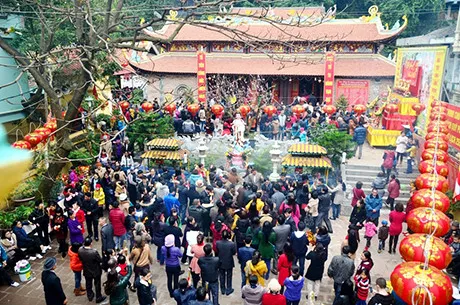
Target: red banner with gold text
[[201, 76], [453, 118], [328, 94]]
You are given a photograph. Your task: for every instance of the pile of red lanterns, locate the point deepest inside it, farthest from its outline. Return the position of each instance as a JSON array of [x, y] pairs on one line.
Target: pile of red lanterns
[[39, 135], [425, 254]]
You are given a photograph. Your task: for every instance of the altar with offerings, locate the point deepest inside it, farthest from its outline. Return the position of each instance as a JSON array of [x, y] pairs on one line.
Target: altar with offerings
[[382, 137]]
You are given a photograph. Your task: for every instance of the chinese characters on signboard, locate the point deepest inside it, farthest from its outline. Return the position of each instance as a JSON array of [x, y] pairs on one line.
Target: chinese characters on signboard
[[329, 78], [355, 91], [453, 119], [201, 76]]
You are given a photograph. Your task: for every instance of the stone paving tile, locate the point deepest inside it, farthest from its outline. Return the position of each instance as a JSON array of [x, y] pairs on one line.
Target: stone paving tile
[[31, 293]]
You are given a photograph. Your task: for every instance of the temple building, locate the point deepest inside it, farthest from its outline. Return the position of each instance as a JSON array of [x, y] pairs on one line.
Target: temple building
[[276, 54]]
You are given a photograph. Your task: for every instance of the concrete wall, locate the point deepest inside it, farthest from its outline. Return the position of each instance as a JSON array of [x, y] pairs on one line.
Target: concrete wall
[[379, 86], [160, 86]]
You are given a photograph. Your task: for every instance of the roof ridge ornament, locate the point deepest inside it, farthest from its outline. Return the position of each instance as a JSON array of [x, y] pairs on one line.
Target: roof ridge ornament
[[373, 14]]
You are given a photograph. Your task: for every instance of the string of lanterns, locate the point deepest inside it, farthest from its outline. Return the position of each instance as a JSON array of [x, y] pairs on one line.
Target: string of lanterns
[[39, 135], [419, 280]]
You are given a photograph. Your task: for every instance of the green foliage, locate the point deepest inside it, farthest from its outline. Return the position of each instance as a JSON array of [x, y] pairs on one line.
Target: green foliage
[[27, 188], [342, 103], [137, 96], [85, 104], [103, 117], [262, 160], [148, 126], [81, 156], [334, 141], [92, 142], [7, 218]]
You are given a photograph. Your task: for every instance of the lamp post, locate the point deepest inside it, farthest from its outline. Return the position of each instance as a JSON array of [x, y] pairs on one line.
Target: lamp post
[[275, 154], [202, 148]]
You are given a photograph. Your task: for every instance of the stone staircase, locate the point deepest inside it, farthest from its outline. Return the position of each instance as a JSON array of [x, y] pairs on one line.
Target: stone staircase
[[367, 173]]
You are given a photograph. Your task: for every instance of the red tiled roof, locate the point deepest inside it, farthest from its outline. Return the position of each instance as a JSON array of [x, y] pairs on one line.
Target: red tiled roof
[[352, 30], [347, 65]]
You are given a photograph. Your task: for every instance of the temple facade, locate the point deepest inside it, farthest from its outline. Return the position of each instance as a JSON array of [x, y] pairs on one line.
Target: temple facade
[[274, 54]]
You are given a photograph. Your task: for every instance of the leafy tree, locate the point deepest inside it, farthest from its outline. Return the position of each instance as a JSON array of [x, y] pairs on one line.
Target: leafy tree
[[148, 126], [336, 142], [342, 103]]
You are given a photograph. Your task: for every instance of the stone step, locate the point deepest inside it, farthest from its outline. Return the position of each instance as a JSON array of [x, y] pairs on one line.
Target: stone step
[[352, 179], [373, 173]]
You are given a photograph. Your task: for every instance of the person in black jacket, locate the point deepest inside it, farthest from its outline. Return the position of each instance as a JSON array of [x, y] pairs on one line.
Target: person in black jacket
[[324, 206], [197, 212], [106, 235], [90, 207], [173, 229], [226, 249], [209, 266], [92, 270], [130, 222], [143, 285], [39, 217], [54, 294]]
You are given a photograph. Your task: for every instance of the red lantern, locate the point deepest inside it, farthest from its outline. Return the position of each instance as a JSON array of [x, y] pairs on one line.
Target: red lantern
[[298, 110], [329, 109], [424, 198], [418, 108], [22, 145], [270, 110], [217, 109], [438, 127], [147, 106], [33, 138], [427, 181], [51, 126], [436, 104], [407, 276], [438, 116], [244, 110], [437, 136], [44, 132], [392, 108], [413, 246], [441, 145], [441, 155], [193, 108], [440, 109], [124, 105], [359, 109], [426, 167], [170, 108], [428, 220]]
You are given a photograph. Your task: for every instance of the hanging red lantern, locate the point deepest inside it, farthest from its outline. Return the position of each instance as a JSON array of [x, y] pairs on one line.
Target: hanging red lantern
[[170, 108], [407, 277], [124, 105], [33, 138], [441, 155], [418, 108], [438, 116], [424, 199], [440, 109], [244, 110], [441, 145], [413, 247], [359, 109], [437, 136], [51, 126], [436, 104], [270, 110], [438, 127], [147, 106], [329, 109], [193, 108], [44, 132], [427, 181], [428, 220], [392, 108], [22, 145], [426, 167], [298, 110], [217, 109]]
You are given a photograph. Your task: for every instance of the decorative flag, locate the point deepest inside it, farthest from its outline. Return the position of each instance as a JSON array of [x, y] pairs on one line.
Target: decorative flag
[[201, 76], [457, 187], [328, 93]]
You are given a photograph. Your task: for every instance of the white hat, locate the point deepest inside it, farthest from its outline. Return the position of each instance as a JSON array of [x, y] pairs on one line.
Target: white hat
[[455, 293], [123, 197]]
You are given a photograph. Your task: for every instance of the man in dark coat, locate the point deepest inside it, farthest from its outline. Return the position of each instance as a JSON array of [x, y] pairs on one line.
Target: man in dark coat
[[40, 218], [209, 266], [226, 249], [90, 207], [54, 294], [359, 137], [92, 270], [106, 235]]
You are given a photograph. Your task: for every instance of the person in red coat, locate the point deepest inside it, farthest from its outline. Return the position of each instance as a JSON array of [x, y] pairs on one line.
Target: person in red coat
[[393, 191], [76, 266], [397, 217], [79, 215], [217, 228], [358, 193], [117, 219], [273, 296], [285, 264]]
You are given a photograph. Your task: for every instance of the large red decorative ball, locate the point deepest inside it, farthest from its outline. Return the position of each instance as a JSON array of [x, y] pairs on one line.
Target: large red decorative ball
[[438, 116], [147, 106], [170, 108], [437, 143], [124, 105], [418, 108], [193, 108], [438, 127], [392, 108], [22, 145], [270, 110], [329, 109], [244, 110], [217, 109], [359, 109], [424, 198], [33, 138], [428, 181], [298, 110], [427, 220], [427, 167], [436, 104], [428, 154], [437, 136], [440, 109], [407, 276], [413, 246]]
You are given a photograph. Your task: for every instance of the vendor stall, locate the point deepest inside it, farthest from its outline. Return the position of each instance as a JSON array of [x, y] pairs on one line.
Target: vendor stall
[[309, 156], [162, 150]]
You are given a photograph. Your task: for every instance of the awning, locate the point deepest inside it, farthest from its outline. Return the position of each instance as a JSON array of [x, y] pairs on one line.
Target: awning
[[307, 149], [167, 144], [164, 155], [320, 162]]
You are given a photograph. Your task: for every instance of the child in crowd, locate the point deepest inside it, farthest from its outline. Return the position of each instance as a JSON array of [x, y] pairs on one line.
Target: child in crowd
[[362, 286], [397, 217], [370, 231], [122, 269], [383, 235], [294, 285]]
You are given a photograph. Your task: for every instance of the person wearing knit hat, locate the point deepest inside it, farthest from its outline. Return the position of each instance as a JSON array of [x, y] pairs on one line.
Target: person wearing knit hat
[[172, 257], [54, 294], [273, 296]]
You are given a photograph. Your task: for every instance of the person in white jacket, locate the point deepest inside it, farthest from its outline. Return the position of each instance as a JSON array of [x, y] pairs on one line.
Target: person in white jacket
[[126, 161]]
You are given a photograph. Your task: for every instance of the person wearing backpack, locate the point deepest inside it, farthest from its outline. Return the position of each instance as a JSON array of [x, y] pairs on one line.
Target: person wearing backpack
[[299, 242]]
